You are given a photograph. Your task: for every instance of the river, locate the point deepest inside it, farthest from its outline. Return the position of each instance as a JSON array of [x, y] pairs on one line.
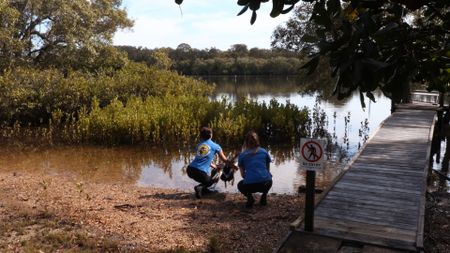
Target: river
[[155, 166]]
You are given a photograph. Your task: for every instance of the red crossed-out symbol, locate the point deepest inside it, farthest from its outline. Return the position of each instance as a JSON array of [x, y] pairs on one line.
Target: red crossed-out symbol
[[312, 151]]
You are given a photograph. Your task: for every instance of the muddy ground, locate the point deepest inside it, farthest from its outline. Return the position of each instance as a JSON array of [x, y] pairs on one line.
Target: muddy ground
[[437, 222], [44, 213], [51, 214]]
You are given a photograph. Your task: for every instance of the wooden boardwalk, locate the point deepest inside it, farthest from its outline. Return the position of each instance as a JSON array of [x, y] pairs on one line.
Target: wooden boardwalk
[[380, 199]]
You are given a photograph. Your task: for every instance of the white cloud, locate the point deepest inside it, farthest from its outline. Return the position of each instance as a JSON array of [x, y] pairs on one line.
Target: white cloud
[[204, 24]]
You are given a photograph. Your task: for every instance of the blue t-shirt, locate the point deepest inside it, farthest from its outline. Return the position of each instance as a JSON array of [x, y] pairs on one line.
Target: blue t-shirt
[[205, 152], [255, 165]]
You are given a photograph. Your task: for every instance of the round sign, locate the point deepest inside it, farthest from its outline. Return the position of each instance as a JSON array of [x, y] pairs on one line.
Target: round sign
[[312, 151]]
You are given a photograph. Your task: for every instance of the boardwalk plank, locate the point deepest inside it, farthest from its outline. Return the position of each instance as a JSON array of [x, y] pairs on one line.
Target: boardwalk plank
[[378, 170], [375, 197], [380, 181], [357, 186], [375, 201], [355, 231], [358, 166], [399, 215], [348, 215], [379, 198], [362, 227]]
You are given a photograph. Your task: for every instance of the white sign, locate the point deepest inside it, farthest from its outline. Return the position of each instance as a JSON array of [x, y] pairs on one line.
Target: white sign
[[312, 153]]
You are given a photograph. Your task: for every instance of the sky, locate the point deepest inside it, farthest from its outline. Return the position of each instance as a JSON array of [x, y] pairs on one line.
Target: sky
[[200, 23]]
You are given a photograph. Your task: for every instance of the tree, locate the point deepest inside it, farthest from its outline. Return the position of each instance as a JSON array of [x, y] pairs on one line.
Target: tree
[[160, 59], [184, 47], [374, 44], [238, 50], [298, 33], [58, 33]]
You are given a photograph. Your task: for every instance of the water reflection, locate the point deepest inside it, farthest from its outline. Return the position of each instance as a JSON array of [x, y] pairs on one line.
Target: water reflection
[[345, 117], [141, 165], [441, 152], [347, 123]]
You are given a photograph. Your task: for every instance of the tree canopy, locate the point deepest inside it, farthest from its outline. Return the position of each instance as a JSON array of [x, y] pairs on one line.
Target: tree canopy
[[75, 34], [374, 44], [237, 60]]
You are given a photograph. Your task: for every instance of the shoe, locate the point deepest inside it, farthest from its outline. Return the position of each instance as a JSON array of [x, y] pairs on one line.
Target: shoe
[[263, 200], [198, 191], [207, 191], [250, 201]]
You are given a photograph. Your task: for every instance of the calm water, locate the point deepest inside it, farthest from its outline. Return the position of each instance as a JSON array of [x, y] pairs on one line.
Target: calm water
[[154, 166]]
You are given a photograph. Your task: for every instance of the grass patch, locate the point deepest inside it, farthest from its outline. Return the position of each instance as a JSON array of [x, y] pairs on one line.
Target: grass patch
[[28, 230]]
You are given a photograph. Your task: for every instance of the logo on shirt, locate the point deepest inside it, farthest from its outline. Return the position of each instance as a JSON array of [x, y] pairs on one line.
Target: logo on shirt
[[203, 150]]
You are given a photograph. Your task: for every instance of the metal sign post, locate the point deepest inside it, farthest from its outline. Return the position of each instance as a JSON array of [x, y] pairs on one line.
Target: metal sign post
[[309, 200], [311, 159]]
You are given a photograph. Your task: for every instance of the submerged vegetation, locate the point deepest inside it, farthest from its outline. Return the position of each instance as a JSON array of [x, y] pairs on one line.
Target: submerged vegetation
[[136, 104], [68, 84]]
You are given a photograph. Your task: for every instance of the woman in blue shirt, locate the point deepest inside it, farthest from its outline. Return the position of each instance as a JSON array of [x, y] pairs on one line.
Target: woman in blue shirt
[[199, 169], [254, 165]]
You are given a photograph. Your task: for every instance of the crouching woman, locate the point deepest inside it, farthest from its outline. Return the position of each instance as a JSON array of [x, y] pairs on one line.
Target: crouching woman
[[199, 169], [254, 165]]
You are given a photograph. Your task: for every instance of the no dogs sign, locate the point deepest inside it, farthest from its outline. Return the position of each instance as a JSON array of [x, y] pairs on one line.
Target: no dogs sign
[[312, 153]]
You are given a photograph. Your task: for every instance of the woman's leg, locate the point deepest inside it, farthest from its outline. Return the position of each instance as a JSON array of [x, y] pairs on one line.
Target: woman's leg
[[201, 177], [248, 189], [265, 189]]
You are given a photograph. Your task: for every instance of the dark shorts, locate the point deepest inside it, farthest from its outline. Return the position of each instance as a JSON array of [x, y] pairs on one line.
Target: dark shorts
[[200, 176], [262, 187]]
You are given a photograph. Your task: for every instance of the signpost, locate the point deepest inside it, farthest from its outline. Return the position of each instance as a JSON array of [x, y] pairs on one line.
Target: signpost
[[311, 159]]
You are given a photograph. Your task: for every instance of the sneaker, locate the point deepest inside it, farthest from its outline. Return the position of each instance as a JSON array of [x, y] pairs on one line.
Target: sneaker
[[250, 201], [198, 191], [263, 200], [207, 191]]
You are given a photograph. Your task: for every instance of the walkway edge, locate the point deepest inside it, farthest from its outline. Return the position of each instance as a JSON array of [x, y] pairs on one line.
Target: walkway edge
[[295, 224], [420, 226]]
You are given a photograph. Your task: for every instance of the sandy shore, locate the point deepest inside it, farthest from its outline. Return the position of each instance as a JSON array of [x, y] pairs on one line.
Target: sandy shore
[[54, 213], [45, 213]]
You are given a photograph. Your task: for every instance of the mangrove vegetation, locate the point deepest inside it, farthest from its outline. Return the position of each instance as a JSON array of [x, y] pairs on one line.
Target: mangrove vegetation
[[68, 84], [237, 60]]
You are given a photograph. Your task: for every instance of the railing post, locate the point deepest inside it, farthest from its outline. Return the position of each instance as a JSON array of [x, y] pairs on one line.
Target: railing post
[[392, 106]]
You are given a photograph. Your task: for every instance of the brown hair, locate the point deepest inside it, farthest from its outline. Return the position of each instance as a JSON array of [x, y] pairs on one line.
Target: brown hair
[[205, 133], [251, 140]]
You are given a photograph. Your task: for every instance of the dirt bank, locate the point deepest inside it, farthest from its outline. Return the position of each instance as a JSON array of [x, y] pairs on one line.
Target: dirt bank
[[437, 222], [53, 214], [44, 213]]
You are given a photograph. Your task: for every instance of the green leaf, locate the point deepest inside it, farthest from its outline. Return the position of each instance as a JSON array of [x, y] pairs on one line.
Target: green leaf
[[377, 65], [334, 6], [357, 72], [361, 99], [309, 38], [254, 5], [292, 2], [253, 19], [287, 10], [370, 96], [277, 8], [311, 65], [243, 2], [391, 27], [243, 10]]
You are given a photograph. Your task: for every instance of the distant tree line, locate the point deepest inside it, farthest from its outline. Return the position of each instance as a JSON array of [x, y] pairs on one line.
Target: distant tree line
[[237, 60], [62, 81]]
